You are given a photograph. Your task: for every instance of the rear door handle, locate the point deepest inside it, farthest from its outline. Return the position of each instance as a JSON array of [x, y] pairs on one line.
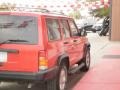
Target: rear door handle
[[66, 42], [75, 40]]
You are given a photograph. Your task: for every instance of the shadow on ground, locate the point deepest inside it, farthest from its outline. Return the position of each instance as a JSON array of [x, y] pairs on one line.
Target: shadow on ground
[[73, 79]]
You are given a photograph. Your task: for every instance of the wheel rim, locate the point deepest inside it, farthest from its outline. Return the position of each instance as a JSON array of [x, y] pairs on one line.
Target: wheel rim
[[87, 59], [63, 79]]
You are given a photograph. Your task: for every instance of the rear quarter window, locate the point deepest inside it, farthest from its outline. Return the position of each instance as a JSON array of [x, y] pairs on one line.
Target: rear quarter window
[[53, 29]]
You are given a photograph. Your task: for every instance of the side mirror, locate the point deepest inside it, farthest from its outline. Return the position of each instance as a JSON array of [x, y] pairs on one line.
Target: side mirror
[[83, 32]]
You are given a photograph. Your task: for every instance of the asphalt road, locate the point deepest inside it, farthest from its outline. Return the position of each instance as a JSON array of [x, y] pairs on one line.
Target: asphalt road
[[97, 42]]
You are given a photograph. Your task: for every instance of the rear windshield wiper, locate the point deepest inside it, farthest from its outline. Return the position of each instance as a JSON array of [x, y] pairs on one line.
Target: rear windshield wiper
[[12, 40]]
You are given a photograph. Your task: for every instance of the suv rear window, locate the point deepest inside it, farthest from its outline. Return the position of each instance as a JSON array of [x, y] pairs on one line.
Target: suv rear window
[[13, 27]]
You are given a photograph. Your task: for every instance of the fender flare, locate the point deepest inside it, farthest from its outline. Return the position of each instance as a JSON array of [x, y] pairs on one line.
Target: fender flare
[[61, 58], [87, 46]]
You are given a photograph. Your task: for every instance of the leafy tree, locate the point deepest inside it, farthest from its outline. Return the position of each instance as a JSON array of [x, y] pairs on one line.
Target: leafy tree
[[75, 14], [6, 7], [101, 12]]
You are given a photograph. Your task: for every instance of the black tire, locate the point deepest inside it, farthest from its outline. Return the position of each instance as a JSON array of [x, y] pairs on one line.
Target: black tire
[[86, 60], [55, 83]]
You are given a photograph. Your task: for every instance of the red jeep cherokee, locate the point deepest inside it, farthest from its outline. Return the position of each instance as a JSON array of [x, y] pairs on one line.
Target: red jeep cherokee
[[41, 47]]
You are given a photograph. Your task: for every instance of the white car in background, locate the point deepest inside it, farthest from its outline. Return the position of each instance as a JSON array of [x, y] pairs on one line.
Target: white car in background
[[98, 25], [85, 21]]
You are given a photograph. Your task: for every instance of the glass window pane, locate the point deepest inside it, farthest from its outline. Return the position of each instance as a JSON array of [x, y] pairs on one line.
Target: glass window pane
[[53, 29], [65, 28], [73, 28], [13, 27]]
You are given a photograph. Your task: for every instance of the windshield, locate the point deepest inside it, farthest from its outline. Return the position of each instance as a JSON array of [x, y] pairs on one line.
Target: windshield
[[18, 28]]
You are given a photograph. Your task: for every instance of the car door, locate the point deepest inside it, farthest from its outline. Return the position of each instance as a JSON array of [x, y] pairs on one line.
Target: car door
[[54, 44], [68, 44], [78, 42]]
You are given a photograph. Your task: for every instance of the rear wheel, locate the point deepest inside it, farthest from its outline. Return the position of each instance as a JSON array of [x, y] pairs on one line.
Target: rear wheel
[[62, 77], [86, 61], [59, 83]]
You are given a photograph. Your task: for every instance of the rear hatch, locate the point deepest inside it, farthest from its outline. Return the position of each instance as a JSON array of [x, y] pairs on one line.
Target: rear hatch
[[18, 43]]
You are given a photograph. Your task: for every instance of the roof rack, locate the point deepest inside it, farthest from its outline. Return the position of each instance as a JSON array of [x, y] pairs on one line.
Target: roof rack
[[30, 9], [35, 10]]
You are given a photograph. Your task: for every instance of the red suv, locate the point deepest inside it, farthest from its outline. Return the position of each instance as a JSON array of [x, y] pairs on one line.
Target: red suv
[[41, 47]]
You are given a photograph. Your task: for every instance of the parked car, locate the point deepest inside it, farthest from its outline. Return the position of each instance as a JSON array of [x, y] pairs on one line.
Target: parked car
[[93, 27], [41, 47], [98, 25]]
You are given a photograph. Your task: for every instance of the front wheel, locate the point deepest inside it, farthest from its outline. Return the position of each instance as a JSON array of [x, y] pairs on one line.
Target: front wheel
[[86, 61]]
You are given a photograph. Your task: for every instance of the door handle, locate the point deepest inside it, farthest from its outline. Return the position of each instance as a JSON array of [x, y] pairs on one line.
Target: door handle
[[75, 40], [66, 42]]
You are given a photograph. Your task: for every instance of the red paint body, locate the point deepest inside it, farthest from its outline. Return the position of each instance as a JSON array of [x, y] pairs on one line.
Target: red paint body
[[27, 58]]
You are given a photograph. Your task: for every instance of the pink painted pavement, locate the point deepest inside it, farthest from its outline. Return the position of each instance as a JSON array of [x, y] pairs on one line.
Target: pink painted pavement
[[103, 76]]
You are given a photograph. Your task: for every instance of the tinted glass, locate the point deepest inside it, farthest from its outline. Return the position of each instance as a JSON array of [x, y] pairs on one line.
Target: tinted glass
[[73, 28], [65, 28], [53, 29], [19, 27]]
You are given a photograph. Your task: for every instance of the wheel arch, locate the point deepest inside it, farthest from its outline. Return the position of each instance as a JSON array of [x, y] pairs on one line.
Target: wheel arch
[[87, 46], [64, 58]]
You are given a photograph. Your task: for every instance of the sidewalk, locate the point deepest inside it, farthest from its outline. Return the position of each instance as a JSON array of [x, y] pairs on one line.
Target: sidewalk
[[98, 47], [105, 73]]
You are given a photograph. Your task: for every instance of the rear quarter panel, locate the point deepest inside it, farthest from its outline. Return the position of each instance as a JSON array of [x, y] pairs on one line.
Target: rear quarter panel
[[53, 49]]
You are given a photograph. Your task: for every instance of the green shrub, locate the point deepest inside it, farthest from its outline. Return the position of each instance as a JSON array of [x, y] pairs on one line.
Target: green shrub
[[101, 12]]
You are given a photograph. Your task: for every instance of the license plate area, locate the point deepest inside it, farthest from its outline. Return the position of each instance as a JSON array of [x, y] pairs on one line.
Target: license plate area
[[3, 57]]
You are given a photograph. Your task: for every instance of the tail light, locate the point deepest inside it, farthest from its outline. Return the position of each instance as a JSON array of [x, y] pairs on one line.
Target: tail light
[[43, 62]]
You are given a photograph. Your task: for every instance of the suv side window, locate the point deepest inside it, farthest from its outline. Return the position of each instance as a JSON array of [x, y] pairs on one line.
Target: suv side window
[[73, 28], [65, 28], [53, 29]]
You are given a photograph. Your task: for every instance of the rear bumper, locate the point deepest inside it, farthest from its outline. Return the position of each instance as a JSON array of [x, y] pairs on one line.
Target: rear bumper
[[40, 76]]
